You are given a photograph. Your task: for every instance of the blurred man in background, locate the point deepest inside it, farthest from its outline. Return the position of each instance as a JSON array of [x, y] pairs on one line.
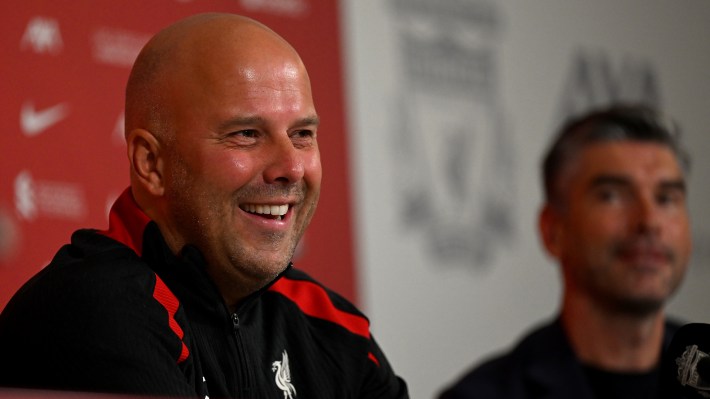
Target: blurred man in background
[[615, 218]]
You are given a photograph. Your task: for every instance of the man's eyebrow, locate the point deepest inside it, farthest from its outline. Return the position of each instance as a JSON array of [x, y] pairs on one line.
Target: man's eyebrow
[[675, 184], [241, 121], [667, 184], [313, 120], [615, 180]]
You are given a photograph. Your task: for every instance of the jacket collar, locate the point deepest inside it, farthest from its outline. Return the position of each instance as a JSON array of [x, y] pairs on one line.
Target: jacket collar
[[127, 222], [185, 273]]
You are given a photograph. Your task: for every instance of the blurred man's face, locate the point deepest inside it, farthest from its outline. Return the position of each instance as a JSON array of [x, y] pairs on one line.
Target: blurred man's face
[[624, 236]]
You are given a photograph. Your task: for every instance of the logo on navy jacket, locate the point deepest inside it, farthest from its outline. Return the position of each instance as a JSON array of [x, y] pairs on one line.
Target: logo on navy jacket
[[283, 376]]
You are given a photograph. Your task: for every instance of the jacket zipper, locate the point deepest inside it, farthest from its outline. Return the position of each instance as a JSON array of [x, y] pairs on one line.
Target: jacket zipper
[[244, 381]]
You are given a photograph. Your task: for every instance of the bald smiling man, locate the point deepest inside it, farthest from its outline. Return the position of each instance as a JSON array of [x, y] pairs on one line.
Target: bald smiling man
[[191, 291]]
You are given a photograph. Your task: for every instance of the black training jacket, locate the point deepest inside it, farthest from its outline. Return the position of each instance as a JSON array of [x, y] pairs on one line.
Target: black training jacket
[[116, 311]]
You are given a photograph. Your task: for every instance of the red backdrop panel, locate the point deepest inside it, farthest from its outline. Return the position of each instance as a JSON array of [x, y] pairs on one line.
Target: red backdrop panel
[[62, 156]]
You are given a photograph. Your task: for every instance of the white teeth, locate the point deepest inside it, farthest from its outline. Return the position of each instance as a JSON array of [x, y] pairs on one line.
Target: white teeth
[[277, 210]]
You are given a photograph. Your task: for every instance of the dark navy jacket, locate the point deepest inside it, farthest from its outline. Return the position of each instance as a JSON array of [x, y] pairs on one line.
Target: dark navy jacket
[[541, 366]]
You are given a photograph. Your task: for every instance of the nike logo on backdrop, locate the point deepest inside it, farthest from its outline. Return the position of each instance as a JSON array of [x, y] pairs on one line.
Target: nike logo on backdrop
[[34, 122]]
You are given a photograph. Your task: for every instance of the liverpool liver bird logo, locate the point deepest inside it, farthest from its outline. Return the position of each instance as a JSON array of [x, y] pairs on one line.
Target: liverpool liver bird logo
[[283, 376]]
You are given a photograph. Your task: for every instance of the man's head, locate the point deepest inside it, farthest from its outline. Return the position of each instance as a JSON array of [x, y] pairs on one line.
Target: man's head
[[615, 214], [221, 132]]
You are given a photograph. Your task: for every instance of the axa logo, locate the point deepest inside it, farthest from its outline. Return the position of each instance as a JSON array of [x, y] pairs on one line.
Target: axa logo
[[42, 35], [598, 77], [283, 376], [34, 121]]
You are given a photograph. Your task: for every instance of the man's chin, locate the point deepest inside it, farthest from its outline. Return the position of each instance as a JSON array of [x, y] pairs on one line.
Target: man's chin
[[268, 271], [642, 307]]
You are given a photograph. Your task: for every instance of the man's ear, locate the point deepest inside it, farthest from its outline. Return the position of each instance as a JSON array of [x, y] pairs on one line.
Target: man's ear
[[550, 226], [144, 155]]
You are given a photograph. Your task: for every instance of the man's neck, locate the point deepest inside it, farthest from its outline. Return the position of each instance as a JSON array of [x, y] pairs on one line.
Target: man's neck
[[613, 341]]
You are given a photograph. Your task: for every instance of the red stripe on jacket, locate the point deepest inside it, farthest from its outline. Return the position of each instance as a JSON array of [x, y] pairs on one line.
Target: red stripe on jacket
[[127, 223], [313, 300], [162, 294]]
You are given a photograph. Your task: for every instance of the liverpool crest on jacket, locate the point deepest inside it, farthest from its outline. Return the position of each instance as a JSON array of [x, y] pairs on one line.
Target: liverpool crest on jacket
[[283, 376]]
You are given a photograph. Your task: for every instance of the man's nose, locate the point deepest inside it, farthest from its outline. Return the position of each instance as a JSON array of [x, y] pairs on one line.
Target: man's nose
[[648, 215], [285, 162]]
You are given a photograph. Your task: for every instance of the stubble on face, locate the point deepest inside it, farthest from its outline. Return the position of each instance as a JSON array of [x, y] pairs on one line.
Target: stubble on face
[[199, 212], [603, 273], [628, 265], [214, 100]]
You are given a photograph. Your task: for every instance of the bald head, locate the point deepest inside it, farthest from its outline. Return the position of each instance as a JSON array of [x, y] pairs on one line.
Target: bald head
[[220, 123], [190, 54]]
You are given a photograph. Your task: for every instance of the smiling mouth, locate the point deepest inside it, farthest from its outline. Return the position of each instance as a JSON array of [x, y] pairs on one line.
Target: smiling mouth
[[275, 212]]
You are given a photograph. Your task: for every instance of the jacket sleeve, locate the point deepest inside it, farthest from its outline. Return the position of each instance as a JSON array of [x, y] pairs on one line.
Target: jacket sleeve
[[92, 332], [380, 380]]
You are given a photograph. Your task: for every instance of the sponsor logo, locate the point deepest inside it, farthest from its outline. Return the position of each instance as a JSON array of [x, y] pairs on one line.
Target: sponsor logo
[[283, 376], [34, 198], [690, 370], [34, 121], [42, 35], [117, 47], [597, 78]]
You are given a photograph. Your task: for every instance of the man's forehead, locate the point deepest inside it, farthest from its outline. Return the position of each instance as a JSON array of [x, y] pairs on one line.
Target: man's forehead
[[633, 160]]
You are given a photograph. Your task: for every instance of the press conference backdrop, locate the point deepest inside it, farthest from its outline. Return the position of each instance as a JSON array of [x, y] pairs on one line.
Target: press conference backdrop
[[63, 161], [452, 103], [435, 113]]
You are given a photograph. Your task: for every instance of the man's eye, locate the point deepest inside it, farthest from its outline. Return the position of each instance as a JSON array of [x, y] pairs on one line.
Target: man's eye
[[245, 133], [670, 197], [305, 133], [608, 195], [303, 138]]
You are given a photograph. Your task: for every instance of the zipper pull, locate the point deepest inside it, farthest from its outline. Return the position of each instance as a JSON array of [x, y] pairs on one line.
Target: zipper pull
[[235, 321]]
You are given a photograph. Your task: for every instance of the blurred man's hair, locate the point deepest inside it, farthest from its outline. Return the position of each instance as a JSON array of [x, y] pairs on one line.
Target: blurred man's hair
[[623, 122]]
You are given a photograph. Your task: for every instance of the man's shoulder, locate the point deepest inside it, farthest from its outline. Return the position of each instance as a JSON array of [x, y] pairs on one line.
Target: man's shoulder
[[486, 379], [311, 302], [91, 271], [547, 338], [299, 286], [500, 373], [86, 317]]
